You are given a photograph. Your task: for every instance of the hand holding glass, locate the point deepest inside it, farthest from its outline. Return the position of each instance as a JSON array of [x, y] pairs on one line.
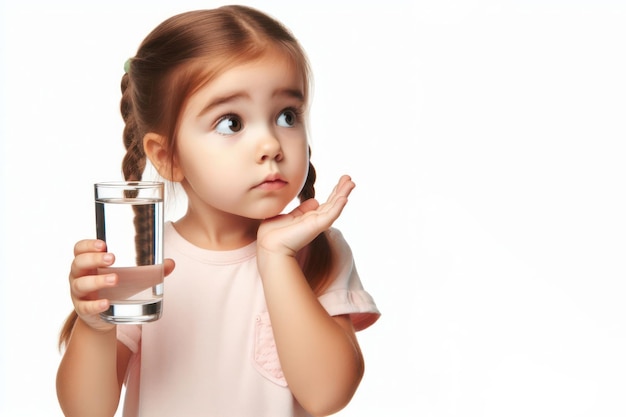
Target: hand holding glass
[[129, 218]]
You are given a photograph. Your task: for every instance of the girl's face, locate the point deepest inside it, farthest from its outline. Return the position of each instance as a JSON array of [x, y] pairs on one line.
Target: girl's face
[[242, 147]]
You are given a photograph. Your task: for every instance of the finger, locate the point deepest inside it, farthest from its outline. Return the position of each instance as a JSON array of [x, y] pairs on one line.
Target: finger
[[333, 208], [345, 186], [91, 307], [339, 195], [307, 205], [168, 266], [89, 262], [84, 286], [344, 178], [89, 245]]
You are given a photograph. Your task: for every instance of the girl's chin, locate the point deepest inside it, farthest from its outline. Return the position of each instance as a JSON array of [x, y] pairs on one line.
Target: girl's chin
[[267, 209], [268, 214]]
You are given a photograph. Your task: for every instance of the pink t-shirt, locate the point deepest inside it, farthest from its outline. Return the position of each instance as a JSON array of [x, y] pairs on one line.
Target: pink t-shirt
[[212, 353]]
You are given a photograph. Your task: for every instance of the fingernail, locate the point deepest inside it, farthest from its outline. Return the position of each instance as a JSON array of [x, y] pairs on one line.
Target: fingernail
[[99, 245], [110, 279], [107, 257]]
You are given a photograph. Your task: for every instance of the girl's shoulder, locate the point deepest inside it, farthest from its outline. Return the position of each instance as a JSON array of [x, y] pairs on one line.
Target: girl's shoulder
[[346, 294], [339, 246]]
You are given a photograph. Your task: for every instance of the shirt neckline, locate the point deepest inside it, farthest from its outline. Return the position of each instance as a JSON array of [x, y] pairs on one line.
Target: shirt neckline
[[173, 240]]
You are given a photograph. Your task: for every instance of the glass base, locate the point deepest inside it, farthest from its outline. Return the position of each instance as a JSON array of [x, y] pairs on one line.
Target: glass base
[[132, 312]]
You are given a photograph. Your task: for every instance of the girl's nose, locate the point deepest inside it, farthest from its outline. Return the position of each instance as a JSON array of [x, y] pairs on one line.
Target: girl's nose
[[269, 149]]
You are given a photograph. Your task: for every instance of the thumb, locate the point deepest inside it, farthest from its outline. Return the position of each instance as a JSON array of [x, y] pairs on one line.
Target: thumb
[[307, 205], [168, 266]]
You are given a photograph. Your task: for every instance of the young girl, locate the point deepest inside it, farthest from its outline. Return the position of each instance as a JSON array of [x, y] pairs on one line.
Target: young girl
[[261, 309]]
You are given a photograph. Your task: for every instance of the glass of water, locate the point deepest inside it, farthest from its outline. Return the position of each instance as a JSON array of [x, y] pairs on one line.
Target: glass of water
[[129, 218]]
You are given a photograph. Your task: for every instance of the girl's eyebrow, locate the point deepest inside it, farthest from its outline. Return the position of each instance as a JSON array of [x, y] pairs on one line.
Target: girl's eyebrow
[[221, 100], [281, 92], [290, 92]]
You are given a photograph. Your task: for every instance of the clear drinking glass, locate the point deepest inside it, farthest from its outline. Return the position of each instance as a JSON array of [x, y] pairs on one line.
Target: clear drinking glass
[[129, 218]]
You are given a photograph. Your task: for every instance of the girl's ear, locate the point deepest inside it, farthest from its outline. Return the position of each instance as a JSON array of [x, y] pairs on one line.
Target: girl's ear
[[155, 147]]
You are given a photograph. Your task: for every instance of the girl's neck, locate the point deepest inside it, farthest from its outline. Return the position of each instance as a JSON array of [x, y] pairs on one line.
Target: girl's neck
[[217, 233]]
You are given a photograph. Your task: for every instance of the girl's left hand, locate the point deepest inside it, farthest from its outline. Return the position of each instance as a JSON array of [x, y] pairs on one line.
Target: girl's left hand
[[286, 234]]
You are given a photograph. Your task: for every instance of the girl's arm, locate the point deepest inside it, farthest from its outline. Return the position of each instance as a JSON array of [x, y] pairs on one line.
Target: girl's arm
[[89, 379], [90, 376], [319, 354]]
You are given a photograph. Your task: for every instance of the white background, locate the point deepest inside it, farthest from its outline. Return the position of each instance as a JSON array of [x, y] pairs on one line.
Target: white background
[[487, 140]]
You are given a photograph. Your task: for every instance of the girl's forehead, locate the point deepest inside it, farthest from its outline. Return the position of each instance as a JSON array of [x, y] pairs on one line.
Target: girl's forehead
[[267, 77], [269, 70], [284, 60]]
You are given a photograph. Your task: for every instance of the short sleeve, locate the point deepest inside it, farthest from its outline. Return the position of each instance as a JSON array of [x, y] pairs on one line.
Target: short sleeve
[[345, 294], [130, 336]]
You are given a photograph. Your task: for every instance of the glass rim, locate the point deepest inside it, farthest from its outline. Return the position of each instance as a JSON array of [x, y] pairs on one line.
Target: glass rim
[[129, 184]]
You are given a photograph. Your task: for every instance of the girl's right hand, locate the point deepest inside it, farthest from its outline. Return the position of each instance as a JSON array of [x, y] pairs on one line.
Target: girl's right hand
[[89, 255]]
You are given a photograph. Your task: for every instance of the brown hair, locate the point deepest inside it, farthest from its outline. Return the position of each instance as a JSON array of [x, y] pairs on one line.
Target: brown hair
[[176, 59]]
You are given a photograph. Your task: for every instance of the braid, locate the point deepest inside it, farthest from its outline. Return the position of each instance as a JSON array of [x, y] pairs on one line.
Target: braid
[[133, 165], [134, 161], [308, 191], [318, 258]]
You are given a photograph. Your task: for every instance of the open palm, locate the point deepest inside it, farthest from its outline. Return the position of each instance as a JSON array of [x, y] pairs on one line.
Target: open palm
[[288, 233]]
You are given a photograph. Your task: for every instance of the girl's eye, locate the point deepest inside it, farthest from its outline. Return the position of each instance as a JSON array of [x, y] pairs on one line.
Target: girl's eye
[[229, 125], [287, 118]]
